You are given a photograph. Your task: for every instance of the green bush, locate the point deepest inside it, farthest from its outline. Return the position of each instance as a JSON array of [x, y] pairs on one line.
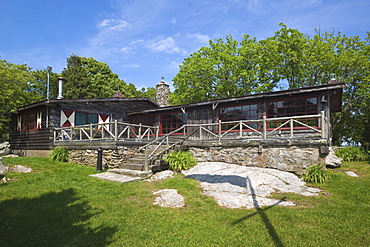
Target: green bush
[[181, 160], [59, 154], [352, 154], [316, 174]]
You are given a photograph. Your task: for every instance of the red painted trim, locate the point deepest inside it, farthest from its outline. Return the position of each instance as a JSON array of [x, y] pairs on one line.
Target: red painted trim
[[161, 125], [236, 130], [286, 115]]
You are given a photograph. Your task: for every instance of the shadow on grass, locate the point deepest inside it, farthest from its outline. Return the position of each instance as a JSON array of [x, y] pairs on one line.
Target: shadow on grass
[[244, 182], [53, 219], [261, 212]]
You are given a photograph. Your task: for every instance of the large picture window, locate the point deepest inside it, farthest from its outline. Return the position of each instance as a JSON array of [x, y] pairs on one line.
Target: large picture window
[[236, 113], [293, 107], [173, 121]]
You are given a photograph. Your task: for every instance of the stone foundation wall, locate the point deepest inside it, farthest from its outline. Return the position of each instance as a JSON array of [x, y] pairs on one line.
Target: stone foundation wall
[[292, 159], [112, 158]]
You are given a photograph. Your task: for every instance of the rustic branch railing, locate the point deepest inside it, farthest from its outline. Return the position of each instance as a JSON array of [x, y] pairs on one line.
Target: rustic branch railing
[[291, 127], [180, 135], [114, 131]]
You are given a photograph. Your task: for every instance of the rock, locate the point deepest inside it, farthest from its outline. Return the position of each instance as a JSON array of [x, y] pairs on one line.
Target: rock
[[3, 169], [162, 175], [351, 173], [235, 186], [332, 160], [4, 148], [169, 198], [10, 156], [23, 169]]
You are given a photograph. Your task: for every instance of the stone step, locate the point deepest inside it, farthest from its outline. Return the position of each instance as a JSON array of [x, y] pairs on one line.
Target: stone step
[[112, 176], [134, 173], [132, 166]]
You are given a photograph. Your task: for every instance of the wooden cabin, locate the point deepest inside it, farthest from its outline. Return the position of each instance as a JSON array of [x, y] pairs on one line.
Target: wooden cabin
[[304, 111], [250, 115], [33, 126]]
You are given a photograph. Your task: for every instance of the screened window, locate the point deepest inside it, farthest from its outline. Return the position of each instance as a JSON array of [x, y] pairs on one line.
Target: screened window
[[29, 122], [148, 120], [173, 121], [236, 113], [293, 107]]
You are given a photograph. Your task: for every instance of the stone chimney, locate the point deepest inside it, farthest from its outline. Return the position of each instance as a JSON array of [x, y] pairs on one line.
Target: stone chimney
[[162, 95]]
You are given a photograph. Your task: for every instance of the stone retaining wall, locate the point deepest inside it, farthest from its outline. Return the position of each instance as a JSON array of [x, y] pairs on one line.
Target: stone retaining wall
[[292, 159], [112, 158]]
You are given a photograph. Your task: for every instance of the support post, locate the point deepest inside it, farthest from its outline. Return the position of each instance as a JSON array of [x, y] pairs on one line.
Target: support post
[[115, 130], [99, 165], [323, 125], [264, 127], [291, 127], [146, 167]]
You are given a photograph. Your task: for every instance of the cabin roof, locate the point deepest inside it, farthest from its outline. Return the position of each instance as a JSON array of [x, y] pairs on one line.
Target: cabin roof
[[131, 103], [336, 101]]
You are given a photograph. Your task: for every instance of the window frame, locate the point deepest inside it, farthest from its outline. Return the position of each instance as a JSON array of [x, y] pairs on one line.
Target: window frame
[[285, 113], [169, 130], [229, 126], [87, 122]]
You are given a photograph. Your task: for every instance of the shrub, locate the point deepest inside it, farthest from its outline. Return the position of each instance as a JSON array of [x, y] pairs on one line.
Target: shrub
[[181, 160], [316, 174], [59, 154], [352, 154]]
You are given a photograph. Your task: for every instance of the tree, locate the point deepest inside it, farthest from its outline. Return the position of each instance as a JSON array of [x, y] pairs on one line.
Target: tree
[[289, 59], [89, 78], [15, 85], [38, 84]]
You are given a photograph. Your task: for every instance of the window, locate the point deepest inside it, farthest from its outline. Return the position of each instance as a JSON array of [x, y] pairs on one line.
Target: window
[[173, 121], [148, 120], [86, 118], [29, 122], [293, 107], [236, 113]]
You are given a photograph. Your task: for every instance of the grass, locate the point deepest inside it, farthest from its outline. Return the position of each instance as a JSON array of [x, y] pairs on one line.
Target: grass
[[58, 204]]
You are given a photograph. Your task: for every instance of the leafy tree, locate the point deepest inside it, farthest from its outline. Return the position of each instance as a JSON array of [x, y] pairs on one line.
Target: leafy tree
[[15, 85], [229, 68], [38, 85], [89, 78]]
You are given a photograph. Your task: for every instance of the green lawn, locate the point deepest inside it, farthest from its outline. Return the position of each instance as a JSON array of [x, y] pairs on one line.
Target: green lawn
[[58, 204]]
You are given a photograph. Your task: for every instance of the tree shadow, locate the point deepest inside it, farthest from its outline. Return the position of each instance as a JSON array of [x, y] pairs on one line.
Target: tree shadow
[[261, 212], [244, 182], [231, 179], [53, 219]]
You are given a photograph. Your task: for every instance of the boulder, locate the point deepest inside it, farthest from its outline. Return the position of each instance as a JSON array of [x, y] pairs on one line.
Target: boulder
[[332, 160], [169, 198], [23, 169], [4, 148]]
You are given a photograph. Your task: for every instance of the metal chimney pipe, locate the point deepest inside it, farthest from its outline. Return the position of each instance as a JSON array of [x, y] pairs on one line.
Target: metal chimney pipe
[[60, 91]]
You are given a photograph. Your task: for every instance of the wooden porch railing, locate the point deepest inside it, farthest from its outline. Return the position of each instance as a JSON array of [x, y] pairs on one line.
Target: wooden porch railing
[[284, 127], [114, 131], [203, 132]]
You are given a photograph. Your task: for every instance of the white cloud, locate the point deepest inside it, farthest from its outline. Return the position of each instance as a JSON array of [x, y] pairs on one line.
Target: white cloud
[[173, 21], [203, 38], [167, 45], [113, 25], [132, 46], [130, 66]]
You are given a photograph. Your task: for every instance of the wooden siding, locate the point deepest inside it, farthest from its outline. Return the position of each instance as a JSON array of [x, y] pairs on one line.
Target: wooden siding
[[37, 139]]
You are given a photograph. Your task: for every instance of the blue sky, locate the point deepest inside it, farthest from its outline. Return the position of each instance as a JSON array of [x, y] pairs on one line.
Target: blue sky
[[143, 40]]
